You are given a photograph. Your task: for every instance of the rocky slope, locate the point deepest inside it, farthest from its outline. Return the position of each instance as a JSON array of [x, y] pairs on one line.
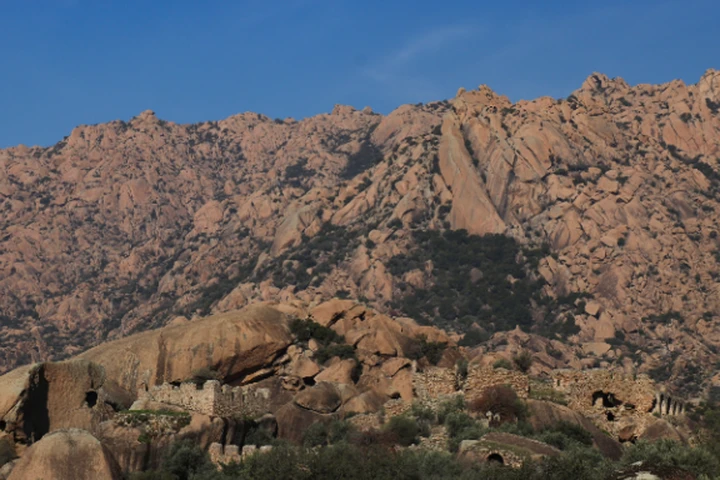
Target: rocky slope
[[127, 226], [125, 403]]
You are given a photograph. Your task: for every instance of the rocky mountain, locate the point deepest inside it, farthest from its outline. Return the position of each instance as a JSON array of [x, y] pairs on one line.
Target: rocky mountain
[[590, 222]]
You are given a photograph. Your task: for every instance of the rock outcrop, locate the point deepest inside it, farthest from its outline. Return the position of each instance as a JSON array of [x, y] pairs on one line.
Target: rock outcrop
[[38, 399], [235, 344], [127, 226], [66, 454]]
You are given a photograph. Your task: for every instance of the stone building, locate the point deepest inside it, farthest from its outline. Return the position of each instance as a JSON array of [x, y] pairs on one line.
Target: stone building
[[589, 390], [211, 398]]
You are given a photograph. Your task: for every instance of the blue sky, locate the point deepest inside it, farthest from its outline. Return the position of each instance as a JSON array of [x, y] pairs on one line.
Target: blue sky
[[70, 62]]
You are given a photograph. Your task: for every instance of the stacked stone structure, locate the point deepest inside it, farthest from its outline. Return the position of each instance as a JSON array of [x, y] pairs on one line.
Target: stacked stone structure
[[211, 398]]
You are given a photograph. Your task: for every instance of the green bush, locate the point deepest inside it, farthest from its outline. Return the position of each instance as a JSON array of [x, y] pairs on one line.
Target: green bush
[[432, 351], [565, 435], [453, 405], [304, 330], [500, 298], [461, 366], [500, 400], [183, 461], [523, 361], [575, 464], [461, 426], [406, 430], [669, 453], [473, 338], [422, 412], [320, 433], [502, 363], [342, 351]]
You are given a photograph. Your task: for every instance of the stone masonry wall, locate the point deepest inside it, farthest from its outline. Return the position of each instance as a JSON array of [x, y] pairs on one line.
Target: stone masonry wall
[[212, 398], [585, 389], [479, 378]]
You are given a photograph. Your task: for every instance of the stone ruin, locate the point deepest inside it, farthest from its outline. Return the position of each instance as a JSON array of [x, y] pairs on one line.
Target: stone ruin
[[664, 404], [591, 390], [211, 398], [435, 383], [225, 455]]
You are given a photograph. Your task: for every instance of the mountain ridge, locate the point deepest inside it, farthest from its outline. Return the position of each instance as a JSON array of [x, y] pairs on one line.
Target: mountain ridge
[[127, 225]]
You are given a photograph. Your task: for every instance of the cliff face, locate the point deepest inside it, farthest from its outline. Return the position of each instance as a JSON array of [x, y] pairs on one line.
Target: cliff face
[[123, 227]]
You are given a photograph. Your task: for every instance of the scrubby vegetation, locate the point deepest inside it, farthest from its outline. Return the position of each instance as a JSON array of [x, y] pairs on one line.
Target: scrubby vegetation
[[339, 450], [331, 343], [304, 330], [487, 280], [432, 351], [310, 263]]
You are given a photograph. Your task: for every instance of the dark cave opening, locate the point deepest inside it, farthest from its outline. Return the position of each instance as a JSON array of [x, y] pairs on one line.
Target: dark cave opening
[[91, 398], [608, 399], [35, 415], [496, 458]]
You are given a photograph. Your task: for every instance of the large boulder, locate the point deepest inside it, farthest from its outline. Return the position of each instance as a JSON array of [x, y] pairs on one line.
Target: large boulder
[[139, 441], [317, 404], [235, 344], [38, 399], [323, 398], [67, 454], [546, 414], [662, 429]]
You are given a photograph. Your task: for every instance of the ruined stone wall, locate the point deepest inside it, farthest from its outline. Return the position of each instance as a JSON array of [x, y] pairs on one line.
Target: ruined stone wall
[[587, 389], [617, 403], [212, 398], [227, 454], [434, 383], [479, 378]]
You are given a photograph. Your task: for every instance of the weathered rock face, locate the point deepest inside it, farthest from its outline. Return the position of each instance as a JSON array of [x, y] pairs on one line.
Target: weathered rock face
[[39, 399], [122, 436], [65, 454], [317, 404], [546, 414], [234, 344], [127, 226]]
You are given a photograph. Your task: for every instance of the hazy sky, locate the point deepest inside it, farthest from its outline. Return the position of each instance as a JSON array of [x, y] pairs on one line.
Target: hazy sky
[[70, 62]]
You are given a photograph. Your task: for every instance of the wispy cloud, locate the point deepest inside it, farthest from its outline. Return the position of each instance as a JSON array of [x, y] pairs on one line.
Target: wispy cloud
[[392, 69]]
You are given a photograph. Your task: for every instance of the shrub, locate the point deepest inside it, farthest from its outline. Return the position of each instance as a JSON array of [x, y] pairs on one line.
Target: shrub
[[183, 461], [501, 297], [405, 429], [501, 400], [473, 338], [422, 412], [455, 404], [564, 435], [502, 363], [668, 453], [462, 368], [461, 426], [304, 330], [432, 351], [343, 351], [321, 433], [575, 464], [523, 361], [545, 392]]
